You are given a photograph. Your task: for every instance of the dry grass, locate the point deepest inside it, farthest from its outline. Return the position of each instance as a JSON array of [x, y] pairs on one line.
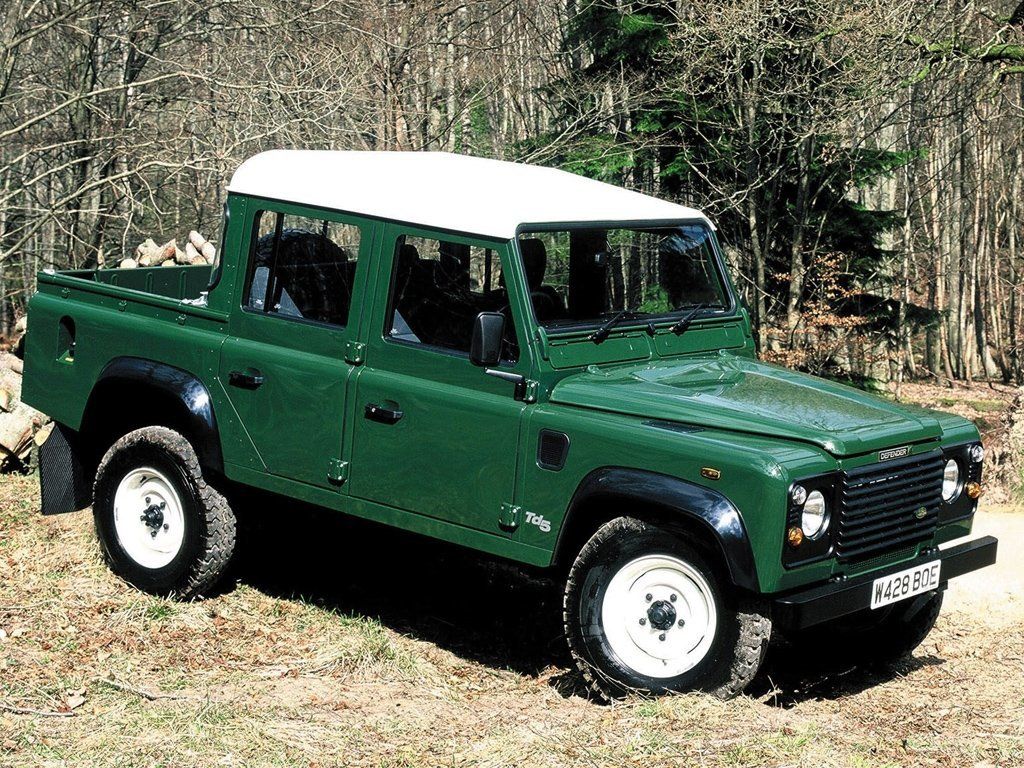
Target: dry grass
[[414, 655]]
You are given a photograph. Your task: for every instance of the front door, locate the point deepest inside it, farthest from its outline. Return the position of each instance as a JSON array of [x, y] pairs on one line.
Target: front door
[[283, 366], [434, 434]]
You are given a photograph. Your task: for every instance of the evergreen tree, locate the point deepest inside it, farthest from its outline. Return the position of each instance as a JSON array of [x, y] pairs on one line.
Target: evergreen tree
[[746, 126]]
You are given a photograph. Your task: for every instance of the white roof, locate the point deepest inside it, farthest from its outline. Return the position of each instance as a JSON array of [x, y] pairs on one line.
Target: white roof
[[445, 191]]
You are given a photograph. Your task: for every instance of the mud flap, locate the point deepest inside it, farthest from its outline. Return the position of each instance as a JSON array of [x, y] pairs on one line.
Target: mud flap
[[63, 482]]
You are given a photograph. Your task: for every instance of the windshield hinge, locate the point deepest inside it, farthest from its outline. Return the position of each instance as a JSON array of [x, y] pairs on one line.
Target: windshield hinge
[[508, 519], [354, 352], [337, 471]]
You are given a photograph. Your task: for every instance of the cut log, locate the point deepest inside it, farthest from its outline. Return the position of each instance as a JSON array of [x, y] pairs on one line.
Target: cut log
[[10, 375], [16, 430], [180, 256], [168, 249], [6, 401], [43, 433], [150, 259], [169, 263], [21, 326], [11, 363], [146, 248], [192, 252], [128, 264], [209, 251], [197, 240]]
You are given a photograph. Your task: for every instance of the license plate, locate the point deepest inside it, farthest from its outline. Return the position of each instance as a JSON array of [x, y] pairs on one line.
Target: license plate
[[899, 586]]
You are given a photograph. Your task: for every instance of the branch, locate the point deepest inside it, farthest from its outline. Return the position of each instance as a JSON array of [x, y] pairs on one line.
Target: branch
[[989, 53], [34, 712]]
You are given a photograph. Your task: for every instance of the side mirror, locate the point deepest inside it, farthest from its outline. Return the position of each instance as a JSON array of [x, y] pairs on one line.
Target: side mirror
[[488, 332]]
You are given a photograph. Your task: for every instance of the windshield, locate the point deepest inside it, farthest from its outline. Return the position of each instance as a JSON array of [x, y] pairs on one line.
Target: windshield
[[582, 276]]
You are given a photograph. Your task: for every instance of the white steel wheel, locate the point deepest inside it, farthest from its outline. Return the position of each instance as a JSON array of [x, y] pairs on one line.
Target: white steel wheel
[[149, 518], [659, 616], [646, 612]]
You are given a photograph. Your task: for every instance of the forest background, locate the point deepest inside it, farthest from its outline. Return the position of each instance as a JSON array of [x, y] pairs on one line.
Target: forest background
[[864, 159]]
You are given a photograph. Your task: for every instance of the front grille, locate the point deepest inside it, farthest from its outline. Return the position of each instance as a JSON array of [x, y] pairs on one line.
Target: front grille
[[879, 506]]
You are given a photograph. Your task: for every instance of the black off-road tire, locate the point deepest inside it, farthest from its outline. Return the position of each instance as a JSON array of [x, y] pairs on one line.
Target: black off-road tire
[[873, 638], [210, 526], [741, 638]]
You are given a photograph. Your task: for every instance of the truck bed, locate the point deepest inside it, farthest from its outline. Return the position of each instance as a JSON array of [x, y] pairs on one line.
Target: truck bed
[[170, 282], [83, 319]]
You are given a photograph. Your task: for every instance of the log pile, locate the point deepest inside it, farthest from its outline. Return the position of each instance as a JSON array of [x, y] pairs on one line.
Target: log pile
[[22, 428], [197, 252]]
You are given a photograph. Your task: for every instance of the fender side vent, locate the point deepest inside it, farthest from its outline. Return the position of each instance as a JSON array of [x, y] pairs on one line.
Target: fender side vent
[[552, 449]]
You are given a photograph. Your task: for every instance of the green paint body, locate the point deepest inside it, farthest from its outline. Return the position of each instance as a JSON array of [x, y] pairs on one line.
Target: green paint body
[[466, 447]]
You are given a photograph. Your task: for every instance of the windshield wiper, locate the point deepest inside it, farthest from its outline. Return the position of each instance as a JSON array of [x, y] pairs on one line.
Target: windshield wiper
[[602, 333], [680, 326]]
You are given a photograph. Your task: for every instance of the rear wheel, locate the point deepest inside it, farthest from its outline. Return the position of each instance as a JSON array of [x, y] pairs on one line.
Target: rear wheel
[[646, 612], [162, 527]]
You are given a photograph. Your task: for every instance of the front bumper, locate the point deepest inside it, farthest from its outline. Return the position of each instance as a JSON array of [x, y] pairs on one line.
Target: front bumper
[[806, 607]]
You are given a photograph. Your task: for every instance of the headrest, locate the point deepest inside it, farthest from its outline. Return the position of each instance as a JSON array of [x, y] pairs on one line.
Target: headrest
[[408, 254], [535, 260]]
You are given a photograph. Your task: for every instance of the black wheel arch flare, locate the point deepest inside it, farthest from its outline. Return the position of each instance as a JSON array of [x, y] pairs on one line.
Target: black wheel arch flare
[[68, 459], [693, 503], [178, 385]]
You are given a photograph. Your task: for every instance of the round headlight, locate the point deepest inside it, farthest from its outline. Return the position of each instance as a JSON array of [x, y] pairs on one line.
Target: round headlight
[[977, 453], [950, 481], [813, 517]]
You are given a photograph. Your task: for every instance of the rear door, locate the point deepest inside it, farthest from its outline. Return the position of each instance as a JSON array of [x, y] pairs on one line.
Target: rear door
[[284, 365], [434, 434]]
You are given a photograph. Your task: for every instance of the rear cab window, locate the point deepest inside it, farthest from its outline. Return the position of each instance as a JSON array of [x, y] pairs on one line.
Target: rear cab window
[[302, 268]]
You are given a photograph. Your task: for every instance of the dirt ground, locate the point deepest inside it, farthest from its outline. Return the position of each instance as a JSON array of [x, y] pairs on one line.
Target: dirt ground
[[348, 645]]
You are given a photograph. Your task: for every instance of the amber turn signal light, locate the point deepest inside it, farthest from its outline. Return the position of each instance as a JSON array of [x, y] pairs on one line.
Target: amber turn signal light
[[974, 490], [794, 536]]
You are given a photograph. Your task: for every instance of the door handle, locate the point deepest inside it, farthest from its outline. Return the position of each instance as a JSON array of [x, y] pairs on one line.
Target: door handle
[[384, 415], [250, 379]]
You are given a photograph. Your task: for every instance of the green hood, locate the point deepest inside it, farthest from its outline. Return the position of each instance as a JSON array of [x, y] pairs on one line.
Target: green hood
[[726, 392]]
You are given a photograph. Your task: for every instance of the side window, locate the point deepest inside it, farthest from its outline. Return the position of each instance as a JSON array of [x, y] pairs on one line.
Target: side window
[[302, 267], [437, 290]]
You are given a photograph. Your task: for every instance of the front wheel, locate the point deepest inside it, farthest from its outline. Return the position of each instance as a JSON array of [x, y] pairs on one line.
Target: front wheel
[[646, 612], [162, 527]]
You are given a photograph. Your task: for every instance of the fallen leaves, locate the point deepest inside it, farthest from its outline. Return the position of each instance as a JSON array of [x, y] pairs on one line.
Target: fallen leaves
[[75, 699]]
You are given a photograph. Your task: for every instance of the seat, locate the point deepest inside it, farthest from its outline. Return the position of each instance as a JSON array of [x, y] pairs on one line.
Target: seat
[[547, 303]]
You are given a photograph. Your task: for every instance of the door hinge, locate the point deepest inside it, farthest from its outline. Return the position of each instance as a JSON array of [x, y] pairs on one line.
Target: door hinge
[[530, 391], [354, 352], [510, 516], [337, 471]]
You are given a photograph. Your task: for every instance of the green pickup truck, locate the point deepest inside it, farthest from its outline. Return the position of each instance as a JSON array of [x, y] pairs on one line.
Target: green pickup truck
[[548, 369]]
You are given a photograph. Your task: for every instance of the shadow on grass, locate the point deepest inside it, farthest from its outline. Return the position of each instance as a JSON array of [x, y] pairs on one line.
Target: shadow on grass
[[788, 678], [480, 608]]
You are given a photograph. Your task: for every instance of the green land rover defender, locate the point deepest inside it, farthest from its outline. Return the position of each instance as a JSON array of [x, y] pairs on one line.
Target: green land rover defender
[[551, 370]]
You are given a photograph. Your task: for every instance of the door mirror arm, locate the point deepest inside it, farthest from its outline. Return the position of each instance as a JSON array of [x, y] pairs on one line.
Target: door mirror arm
[[515, 378]]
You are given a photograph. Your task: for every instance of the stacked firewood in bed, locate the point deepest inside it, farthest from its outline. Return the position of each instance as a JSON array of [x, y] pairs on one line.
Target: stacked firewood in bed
[[21, 427], [197, 252]]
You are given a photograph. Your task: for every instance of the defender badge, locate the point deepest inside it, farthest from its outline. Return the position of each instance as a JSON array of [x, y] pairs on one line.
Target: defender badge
[[921, 513], [894, 453]]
